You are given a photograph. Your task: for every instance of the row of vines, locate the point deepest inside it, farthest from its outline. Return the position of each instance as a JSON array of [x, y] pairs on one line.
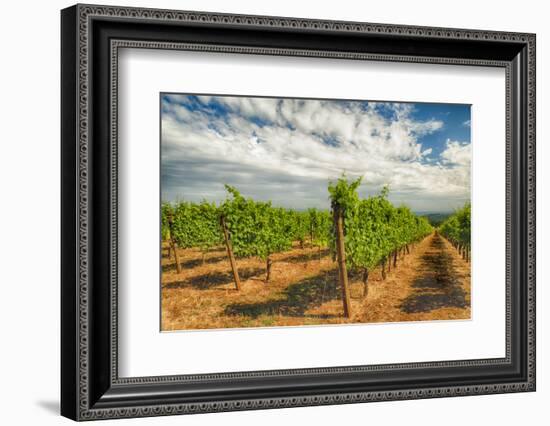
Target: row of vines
[[457, 230], [361, 233], [248, 228], [369, 232]]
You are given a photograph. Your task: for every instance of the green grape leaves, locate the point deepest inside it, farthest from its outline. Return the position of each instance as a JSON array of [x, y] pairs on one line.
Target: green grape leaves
[[257, 228], [373, 227], [457, 227]]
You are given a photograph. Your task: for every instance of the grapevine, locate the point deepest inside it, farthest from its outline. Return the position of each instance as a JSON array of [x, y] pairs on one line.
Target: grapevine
[[457, 229]]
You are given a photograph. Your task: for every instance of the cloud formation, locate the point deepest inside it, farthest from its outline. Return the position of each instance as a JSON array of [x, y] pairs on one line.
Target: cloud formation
[[286, 150]]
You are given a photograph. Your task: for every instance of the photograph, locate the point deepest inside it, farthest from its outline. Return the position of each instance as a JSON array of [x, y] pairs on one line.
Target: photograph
[[292, 212]]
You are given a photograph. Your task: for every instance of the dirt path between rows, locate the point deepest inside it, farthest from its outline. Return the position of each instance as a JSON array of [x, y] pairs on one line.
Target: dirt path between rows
[[432, 283]]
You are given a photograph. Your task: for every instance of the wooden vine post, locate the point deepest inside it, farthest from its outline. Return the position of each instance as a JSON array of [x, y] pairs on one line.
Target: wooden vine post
[[269, 263], [230, 254], [173, 241], [365, 282], [341, 254], [383, 263]]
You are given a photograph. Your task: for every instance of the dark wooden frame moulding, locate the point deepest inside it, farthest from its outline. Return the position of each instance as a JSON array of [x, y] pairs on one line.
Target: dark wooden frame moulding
[[90, 38]]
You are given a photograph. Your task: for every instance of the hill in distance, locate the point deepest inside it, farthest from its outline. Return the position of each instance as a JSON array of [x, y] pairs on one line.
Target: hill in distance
[[435, 219]]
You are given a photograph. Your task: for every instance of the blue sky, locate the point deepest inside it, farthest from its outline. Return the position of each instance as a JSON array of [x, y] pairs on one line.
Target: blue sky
[[456, 119], [287, 150]]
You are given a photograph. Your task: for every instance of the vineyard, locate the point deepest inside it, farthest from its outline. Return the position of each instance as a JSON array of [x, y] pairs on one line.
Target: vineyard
[[244, 262]]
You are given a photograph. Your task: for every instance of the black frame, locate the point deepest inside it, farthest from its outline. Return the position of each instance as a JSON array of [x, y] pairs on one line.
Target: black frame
[[91, 37]]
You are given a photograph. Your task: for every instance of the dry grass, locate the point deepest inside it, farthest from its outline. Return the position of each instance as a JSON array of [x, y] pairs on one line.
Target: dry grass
[[430, 283]]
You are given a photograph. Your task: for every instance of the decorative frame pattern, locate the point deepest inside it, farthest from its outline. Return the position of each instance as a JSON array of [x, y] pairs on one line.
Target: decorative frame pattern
[[92, 400]]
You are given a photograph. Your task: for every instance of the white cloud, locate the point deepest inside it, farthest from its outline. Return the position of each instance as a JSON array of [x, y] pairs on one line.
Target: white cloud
[[456, 153], [300, 145]]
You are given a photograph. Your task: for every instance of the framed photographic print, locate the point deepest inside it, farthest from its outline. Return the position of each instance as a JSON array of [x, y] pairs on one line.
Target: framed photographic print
[[263, 212]]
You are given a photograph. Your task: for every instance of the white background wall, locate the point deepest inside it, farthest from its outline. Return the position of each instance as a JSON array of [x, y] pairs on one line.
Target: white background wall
[[29, 214]]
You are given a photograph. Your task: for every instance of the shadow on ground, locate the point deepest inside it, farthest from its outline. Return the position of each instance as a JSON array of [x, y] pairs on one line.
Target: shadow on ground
[[207, 281], [295, 300], [439, 286], [306, 257], [193, 263]]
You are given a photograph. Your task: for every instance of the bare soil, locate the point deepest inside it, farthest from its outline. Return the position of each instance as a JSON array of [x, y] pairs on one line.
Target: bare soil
[[432, 282]]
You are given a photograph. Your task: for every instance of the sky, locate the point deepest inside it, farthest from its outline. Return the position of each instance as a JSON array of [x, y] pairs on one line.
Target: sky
[[287, 150]]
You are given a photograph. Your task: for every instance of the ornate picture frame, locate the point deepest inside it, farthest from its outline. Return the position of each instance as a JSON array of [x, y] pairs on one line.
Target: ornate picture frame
[[91, 37]]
